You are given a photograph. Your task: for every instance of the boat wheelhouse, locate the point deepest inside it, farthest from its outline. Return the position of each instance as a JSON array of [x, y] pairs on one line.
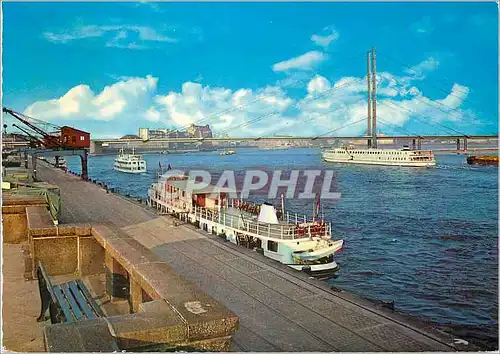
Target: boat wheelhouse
[[301, 243], [129, 163]]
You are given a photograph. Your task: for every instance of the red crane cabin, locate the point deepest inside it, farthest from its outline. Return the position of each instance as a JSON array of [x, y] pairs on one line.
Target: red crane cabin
[[74, 138]]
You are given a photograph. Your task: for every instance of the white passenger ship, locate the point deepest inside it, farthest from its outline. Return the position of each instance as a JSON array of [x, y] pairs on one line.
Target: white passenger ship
[[301, 243], [129, 163], [372, 155], [392, 157]]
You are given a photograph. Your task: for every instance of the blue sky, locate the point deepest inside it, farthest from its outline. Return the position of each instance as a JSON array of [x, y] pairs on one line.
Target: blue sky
[[253, 68]]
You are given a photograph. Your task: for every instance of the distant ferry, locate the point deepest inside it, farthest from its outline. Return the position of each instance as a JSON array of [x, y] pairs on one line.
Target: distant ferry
[[129, 163], [372, 155], [227, 152], [391, 157]]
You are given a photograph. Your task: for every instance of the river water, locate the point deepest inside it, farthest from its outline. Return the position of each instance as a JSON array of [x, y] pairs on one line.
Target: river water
[[425, 238]]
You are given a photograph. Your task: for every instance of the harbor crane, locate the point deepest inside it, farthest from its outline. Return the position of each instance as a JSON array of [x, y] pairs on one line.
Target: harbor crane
[[52, 140]]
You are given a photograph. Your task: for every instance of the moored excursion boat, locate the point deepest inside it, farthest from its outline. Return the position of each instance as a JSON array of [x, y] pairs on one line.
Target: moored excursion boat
[[301, 243]]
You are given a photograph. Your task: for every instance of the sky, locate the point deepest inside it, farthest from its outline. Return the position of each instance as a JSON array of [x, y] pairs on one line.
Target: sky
[[253, 69]]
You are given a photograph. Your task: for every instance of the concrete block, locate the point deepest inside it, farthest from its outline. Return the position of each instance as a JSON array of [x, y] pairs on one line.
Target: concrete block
[[103, 232], [59, 255], [117, 278], [66, 230], [42, 231], [130, 253], [18, 199], [62, 338], [135, 295], [91, 255], [149, 328], [15, 227], [14, 209], [83, 230], [38, 217], [206, 317], [222, 344], [80, 336]]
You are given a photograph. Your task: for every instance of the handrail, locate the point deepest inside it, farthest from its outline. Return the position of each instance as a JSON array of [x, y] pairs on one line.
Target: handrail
[[289, 231]]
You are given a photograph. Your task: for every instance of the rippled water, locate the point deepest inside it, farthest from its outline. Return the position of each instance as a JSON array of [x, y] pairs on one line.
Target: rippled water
[[425, 238]]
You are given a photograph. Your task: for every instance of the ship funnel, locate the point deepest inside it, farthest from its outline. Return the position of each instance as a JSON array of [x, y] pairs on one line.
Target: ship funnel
[[267, 214]]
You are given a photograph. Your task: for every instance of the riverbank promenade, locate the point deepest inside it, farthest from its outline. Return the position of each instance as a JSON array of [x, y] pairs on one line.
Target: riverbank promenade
[[279, 309]]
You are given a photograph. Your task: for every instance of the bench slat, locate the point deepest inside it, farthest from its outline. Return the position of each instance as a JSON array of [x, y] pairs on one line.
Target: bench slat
[[74, 306], [63, 303], [81, 300], [90, 299]]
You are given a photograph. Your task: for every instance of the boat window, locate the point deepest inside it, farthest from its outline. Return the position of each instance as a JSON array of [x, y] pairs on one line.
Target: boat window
[[272, 246]]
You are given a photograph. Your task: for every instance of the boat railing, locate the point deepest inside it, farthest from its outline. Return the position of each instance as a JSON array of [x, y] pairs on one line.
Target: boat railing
[[288, 231]]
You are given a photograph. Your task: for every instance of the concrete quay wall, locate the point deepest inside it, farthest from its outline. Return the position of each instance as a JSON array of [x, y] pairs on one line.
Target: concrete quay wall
[[166, 311]]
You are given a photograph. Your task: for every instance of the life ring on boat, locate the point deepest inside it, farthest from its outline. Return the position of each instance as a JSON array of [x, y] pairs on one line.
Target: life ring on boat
[[184, 206]]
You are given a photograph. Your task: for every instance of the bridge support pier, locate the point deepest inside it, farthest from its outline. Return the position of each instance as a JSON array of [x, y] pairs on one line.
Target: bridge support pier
[[465, 144], [458, 144], [419, 144], [414, 144], [95, 147]]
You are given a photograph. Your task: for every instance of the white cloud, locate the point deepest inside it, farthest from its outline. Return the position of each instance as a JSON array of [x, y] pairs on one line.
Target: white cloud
[[118, 36], [305, 61], [220, 107], [326, 105], [458, 94], [419, 70], [328, 35], [423, 27], [80, 103]]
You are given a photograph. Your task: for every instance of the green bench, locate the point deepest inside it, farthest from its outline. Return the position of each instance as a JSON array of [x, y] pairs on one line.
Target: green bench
[[66, 302]]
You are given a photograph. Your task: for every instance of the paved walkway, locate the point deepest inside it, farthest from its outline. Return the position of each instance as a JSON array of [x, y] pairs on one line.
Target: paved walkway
[[279, 309]]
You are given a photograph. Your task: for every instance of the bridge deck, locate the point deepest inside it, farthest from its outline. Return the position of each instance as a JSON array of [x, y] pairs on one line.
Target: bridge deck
[[279, 309]]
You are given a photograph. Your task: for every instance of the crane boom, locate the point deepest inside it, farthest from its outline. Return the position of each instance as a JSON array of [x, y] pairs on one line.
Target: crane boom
[[33, 138], [48, 139]]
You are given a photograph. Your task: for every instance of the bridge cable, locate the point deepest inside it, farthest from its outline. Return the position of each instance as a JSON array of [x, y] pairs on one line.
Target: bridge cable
[[384, 122], [445, 106], [307, 100], [413, 70], [263, 97], [423, 121], [341, 127], [323, 114]]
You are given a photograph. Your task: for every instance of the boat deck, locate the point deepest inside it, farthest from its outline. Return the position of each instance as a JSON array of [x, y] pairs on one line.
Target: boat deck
[[279, 309]]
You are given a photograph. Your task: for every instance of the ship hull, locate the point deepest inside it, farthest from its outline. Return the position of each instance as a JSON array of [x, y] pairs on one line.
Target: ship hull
[[380, 163], [128, 171], [381, 157], [230, 234], [316, 269]]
